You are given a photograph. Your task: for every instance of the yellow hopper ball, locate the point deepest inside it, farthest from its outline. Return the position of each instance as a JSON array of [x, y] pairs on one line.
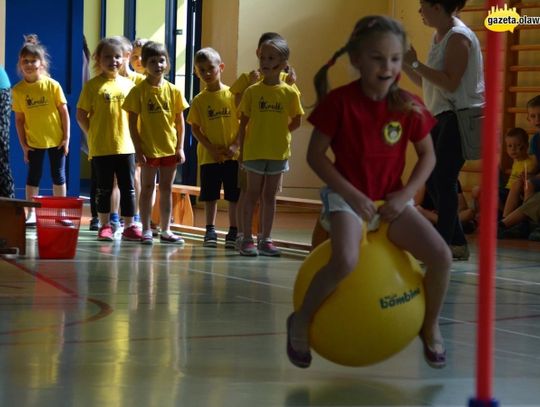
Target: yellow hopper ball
[[375, 311]]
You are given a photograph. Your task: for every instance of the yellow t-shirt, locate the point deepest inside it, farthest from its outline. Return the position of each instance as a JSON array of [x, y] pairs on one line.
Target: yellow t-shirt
[[39, 102], [519, 167], [269, 109], [157, 107], [215, 114], [136, 77], [242, 83], [102, 98]]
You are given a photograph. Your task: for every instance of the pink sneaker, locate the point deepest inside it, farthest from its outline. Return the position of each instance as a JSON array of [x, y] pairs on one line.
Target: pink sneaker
[[105, 233], [132, 233], [171, 238]]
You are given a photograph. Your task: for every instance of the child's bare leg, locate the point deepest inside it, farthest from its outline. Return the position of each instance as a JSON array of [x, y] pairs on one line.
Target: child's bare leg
[[268, 203], [166, 179], [115, 197], [251, 195], [430, 248], [210, 209], [345, 235], [148, 185], [514, 217], [513, 199], [232, 214], [137, 185], [31, 191], [59, 190]]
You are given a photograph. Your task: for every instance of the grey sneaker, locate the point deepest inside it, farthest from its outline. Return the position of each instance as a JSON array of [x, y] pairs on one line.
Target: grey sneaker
[[535, 235], [460, 253], [267, 248], [230, 240], [210, 239], [248, 248]]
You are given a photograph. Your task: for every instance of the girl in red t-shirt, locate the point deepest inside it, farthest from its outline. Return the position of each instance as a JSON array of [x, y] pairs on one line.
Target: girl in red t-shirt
[[368, 124]]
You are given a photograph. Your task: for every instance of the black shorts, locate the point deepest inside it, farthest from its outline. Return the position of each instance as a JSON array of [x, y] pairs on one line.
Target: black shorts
[[216, 174]]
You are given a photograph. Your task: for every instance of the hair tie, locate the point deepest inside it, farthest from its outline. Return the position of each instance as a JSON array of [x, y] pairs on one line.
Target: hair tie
[[331, 62]]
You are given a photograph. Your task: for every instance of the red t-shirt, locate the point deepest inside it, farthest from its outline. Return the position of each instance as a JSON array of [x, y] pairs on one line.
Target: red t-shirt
[[368, 140]]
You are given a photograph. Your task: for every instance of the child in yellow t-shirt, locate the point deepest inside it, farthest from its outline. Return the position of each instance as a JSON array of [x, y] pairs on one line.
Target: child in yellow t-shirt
[[102, 120], [270, 111], [157, 128], [135, 59], [214, 123], [523, 167], [41, 120], [245, 80]]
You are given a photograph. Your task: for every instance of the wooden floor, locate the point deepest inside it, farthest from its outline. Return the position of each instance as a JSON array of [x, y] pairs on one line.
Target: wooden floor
[[123, 324]]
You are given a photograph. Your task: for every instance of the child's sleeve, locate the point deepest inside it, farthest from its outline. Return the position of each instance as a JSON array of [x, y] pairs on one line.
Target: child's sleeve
[[296, 105], [245, 104], [193, 116], [240, 85], [181, 103], [84, 102], [132, 101], [59, 97]]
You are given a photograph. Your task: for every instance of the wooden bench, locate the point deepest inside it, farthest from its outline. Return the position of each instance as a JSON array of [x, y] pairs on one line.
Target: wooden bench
[[183, 219], [13, 226]]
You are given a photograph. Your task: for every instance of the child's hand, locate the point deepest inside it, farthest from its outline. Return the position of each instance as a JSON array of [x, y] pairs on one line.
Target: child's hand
[[254, 77], [232, 150], [217, 153], [291, 76], [362, 205], [64, 145], [140, 158], [180, 156], [394, 205], [26, 148]]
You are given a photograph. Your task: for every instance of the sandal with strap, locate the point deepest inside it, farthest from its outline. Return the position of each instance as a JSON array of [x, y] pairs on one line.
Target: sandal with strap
[[436, 360], [299, 359]]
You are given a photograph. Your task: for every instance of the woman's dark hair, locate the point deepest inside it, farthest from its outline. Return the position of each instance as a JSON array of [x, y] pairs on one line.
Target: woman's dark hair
[[450, 6]]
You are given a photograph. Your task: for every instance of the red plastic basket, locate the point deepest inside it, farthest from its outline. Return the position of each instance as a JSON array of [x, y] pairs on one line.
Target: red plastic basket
[[57, 223]]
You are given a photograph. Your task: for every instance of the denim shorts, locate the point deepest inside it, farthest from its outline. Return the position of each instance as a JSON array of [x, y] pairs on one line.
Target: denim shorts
[[266, 167], [333, 202]]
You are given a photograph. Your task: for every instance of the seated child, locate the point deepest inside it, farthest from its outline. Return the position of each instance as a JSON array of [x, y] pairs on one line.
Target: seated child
[[467, 214], [520, 188], [523, 166], [530, 210]]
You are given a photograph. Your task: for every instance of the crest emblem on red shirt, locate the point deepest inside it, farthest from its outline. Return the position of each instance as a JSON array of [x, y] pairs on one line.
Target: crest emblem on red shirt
[[392, 132]]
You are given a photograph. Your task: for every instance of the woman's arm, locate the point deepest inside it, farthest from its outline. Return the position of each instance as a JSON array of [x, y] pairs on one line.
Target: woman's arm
[[455, 64]]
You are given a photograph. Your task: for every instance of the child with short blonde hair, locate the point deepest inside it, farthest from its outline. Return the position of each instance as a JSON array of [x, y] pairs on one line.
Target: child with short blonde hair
[[214, 123]]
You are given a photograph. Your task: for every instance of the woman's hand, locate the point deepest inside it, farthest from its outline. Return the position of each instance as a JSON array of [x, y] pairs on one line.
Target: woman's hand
[[410, 56]]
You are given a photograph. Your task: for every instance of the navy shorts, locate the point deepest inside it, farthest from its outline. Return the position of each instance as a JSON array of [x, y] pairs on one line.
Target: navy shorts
[[214, 175]]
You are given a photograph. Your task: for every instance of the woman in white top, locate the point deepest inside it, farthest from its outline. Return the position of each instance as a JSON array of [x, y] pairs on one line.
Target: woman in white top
[[452, 75]]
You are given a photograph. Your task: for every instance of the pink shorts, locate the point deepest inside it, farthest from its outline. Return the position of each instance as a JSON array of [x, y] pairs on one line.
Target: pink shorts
[[169, 161]]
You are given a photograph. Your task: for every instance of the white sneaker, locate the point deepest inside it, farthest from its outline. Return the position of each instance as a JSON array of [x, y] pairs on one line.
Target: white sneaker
[[31, 219]]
